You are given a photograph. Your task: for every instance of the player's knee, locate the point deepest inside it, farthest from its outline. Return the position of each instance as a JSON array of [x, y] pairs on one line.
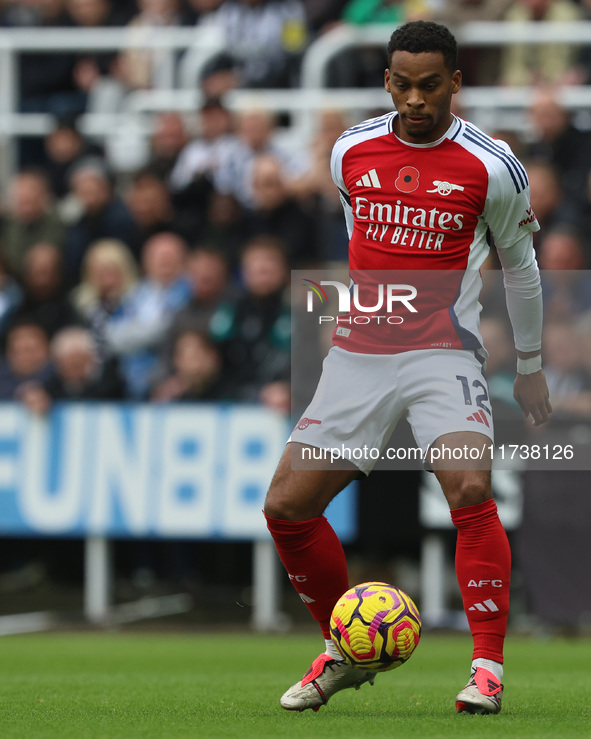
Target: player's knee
[[286, 509], [469, 491], [277, 507], [281, 502]]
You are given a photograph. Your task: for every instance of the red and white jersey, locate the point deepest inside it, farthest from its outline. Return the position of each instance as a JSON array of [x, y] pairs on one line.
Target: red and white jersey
[[426, 208]]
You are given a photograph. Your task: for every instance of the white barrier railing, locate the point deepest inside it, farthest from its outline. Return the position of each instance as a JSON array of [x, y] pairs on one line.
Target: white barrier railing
[[199, 45], [176, 84], [498, 33]]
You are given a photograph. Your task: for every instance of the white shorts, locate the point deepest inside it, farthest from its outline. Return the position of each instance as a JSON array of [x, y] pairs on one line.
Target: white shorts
[[361, 397]]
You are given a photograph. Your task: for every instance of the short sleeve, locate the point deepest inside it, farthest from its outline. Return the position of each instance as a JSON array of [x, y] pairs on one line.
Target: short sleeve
[[336, 169]]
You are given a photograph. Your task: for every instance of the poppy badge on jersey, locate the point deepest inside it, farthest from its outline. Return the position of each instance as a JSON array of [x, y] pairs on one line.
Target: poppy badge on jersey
[[408, 179]]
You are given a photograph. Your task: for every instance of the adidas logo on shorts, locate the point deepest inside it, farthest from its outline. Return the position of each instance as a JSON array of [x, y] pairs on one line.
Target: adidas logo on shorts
[[480, 417]]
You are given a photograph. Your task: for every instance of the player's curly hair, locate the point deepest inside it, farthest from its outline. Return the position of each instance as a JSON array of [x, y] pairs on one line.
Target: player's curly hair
[[417, 37]]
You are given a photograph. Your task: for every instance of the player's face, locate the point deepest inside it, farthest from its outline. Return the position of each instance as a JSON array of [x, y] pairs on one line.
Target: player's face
[[421, 87]]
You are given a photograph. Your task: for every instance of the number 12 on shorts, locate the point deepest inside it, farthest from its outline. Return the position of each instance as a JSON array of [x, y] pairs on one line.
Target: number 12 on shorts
[[480, 398]]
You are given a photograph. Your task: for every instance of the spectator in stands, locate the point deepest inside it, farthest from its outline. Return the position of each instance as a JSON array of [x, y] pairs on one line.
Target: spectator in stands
[[479, 65], [315, 190], [253, 332], [584, 217], [580, 72], [564, 371], [196, 372], [564, 248], [30, 218], [192, 178], [583, 332], [65, 147], [92, 67], [17, 13], [196, 164], [157, 14], [102, 215], [11, 296], [198, 10], [208, 270], [100, 13], [463, 11], [256, 131], [168, 141], [546, 198], [26, 358], [150, 205], [78, 373], [109, 273], [276, 396], [561, 144], [265, 40], [361, 12], [255, 134], [535, 64], [224, 227], [46, 79], [45, 300], [564, 255], [322, 15], [565, 374], [330, 125], [137, 332], [364, 66], [140, 66], [276, 213]]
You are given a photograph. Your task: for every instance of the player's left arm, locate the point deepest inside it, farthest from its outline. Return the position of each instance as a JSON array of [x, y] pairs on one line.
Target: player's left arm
[[524, 304], [512, 222]]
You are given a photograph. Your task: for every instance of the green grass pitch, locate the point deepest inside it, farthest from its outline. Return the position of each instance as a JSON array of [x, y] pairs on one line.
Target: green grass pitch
[[228, 685]]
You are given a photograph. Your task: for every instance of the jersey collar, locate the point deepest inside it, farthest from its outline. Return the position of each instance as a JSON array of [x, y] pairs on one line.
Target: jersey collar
[[449, 134]]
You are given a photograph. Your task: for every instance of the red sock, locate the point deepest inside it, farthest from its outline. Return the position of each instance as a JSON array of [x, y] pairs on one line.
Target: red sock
[[315, 562], [483, 567]]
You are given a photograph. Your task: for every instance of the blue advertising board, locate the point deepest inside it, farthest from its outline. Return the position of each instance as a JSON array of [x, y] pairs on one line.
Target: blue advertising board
[[136, 470]]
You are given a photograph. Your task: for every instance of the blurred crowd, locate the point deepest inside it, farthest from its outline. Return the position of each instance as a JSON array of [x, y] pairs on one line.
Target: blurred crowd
[[170, 282]]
